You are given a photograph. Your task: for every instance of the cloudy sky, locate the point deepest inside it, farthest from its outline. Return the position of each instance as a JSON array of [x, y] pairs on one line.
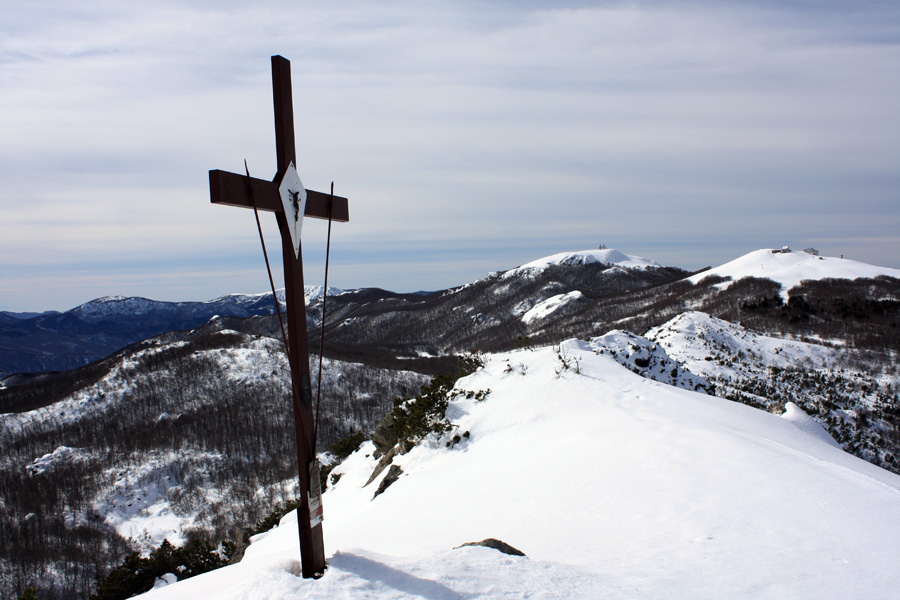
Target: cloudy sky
[[469, 136]]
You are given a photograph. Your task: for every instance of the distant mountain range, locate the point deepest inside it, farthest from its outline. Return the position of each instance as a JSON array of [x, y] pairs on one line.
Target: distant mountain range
[[575, 294], [60, 341], [24, 315]]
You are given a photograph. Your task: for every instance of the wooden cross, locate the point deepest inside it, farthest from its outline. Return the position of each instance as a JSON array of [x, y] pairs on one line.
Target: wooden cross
[[234, 190]]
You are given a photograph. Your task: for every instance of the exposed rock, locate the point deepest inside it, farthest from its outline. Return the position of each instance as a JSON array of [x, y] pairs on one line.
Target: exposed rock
[[385, 436], [496, 545], [393, 475], [383, 463]]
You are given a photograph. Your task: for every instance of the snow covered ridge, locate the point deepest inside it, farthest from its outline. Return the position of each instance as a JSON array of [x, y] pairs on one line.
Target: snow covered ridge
[[855, 401], [607, 256], [119, 305], [795, 415], [648, 359], [613, 485], [698, 339], [790, 268]]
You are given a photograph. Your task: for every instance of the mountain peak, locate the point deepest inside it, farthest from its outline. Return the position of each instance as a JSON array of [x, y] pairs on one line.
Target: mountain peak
[[609, 256], [117, 305], [790, 267]]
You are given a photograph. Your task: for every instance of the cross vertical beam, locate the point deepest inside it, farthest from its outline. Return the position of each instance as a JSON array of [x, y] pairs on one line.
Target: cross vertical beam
[[231, 189], [312, 547], [284, 114]]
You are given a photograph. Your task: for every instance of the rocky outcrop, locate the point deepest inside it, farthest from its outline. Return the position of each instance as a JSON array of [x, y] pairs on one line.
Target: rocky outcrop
[[496, 544], [393, 475]]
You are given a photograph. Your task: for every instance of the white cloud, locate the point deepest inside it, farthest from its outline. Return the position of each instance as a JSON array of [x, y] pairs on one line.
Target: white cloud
[[475, 124]]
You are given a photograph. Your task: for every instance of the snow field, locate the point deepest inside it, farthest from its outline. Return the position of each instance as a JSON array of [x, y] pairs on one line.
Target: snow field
[[615, 486]]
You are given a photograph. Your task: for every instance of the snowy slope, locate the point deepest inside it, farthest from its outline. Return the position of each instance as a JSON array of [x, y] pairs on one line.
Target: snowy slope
[[607, 256], [790, 268], [551, 305], [648, 359], [699, 340], [615, 486]]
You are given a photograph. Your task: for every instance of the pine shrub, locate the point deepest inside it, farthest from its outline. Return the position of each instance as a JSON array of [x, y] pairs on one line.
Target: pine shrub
[[137, 575]]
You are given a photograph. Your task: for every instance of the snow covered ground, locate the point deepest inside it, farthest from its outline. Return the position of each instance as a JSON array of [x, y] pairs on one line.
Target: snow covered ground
[[790, 268], [613, 485], [138, 501]]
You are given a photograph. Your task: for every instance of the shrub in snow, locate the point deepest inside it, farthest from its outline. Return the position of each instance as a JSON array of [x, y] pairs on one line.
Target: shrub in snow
[[347, 446], [273, 518], [566, 362], [137, 574], [30, 593], [426, 413], [413, 419]]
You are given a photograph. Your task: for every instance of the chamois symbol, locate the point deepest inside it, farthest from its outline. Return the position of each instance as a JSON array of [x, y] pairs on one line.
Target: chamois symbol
[[295, 202]]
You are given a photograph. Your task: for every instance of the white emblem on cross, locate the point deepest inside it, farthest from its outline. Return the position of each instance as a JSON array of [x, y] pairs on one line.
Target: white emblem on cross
[[293, 197]]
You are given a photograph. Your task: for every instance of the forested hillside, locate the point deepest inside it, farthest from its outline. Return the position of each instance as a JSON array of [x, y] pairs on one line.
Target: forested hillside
[[191, 438]]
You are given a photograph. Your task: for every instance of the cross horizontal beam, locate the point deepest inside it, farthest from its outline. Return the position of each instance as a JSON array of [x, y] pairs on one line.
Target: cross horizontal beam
[[230, 189]]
